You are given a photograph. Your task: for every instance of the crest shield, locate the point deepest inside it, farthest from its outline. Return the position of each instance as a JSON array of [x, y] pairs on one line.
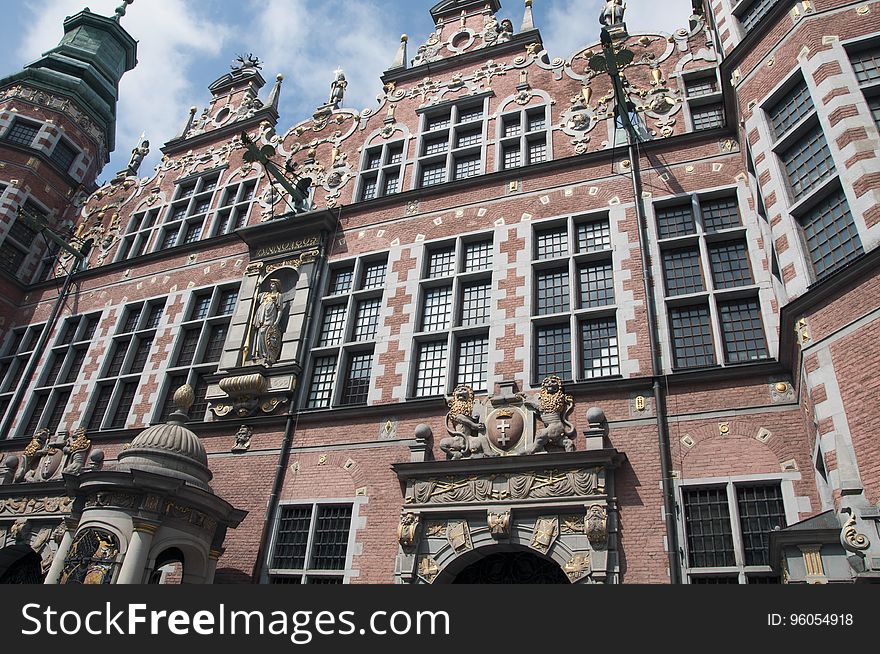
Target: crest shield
[[505, 428]]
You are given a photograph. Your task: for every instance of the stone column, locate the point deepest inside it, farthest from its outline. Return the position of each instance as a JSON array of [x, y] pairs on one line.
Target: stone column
[[132, 571], [213, 558], [57, 567]]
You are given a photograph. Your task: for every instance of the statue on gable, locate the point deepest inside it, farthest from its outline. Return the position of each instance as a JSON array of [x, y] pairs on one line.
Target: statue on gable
[[267, 338], [554, 408], [141, 150], [505, 31], [613, 13], [467, 434], [337, 89]]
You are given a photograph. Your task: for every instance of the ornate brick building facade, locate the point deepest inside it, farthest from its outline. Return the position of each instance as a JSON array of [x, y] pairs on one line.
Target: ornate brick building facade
[[610, 317]]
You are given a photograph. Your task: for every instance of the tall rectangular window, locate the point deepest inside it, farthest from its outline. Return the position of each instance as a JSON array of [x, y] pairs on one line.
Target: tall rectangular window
[[16, 353], [341, 366], [452, 341], [574, 313], [452, 143], [48, 404], [198, 346], [727, 531], [187, 216], [522, 138], [692, 336], [311, 544], [382, 170]]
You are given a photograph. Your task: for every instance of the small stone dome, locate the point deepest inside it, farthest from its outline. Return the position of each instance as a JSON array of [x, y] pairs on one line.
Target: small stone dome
[[170, 449]]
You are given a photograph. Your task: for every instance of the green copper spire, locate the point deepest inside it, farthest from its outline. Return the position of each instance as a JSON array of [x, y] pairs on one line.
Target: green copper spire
[[86, 67]]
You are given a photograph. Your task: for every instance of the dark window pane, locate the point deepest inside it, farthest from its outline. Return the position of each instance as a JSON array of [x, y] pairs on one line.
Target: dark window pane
[[692, 337], [551, 243], [216, 340], [683, 272], [100, 409], [808, 162], [292, 538], [357, 380], [599, 340], [511, 156], [431, 373], [597, 285], [709, 532], [330, 544], [228, 300], [832, 237], [120, 349], [321, 388], [174, 382], [866, 65], [553, 292], [433, 174], [594, 236], [154, 316], [742, 331], [36, 413], [332, 325], [123, 408], [367, 320], [22, 133], [54, 368], [790, 109], [58, 409], [441, 263], [708, 117], [554, 351], [473, 356], [201, 307], [63, 155], [760, 512], [132, 316], [76, 361], [720, 214], [438, 309], [730, 264], [475, 299], [676, 221], [188, 344], [197, 412]]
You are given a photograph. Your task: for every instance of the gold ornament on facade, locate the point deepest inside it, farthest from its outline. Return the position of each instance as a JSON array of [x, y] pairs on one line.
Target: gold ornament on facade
[[408, 530], [578, 567], [428, 569], [545, 533], [499, 523]]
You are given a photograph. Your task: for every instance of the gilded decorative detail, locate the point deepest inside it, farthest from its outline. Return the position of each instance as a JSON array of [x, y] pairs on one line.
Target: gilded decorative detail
[[499, 523], [459, 535], [287, 246], [571, 524], [408, 530], [435, 529], [306, 257], [578, 567], [545, 533], [428, 569], [850, 537]]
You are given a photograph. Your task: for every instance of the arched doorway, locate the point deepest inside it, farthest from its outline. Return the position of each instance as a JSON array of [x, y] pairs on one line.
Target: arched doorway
[[511, 567], [19, 564], [169, 567]]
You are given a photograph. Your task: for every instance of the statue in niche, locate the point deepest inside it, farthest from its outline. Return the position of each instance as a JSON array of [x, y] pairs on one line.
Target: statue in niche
[[140, 151], [467, 435], [267, 339], [337, 88], [554, 407], [32, 453], [612, 14]]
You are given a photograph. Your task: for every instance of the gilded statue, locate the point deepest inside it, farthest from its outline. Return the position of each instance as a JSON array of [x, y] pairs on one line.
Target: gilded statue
[[32, 453], [267, 339], [554, 408], [467, 435]]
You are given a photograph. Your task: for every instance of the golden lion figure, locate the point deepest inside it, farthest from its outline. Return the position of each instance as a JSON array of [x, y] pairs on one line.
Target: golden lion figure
[[554, 407], [467, 435]]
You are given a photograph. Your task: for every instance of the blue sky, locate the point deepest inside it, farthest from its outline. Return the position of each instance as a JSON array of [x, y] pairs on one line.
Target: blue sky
[[186, 44]]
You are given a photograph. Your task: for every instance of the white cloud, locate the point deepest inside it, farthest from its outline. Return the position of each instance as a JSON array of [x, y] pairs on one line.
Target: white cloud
[[155, 97], [572, 24], [307, 41]]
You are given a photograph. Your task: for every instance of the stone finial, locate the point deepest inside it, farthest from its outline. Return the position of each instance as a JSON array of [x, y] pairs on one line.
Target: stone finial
[[184, 398], [275, 94], [528, 20], [120, 10], [189, 123], [400, 57]]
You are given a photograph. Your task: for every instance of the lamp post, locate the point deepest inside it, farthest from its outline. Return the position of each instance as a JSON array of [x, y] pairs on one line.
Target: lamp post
[[612, 60]]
